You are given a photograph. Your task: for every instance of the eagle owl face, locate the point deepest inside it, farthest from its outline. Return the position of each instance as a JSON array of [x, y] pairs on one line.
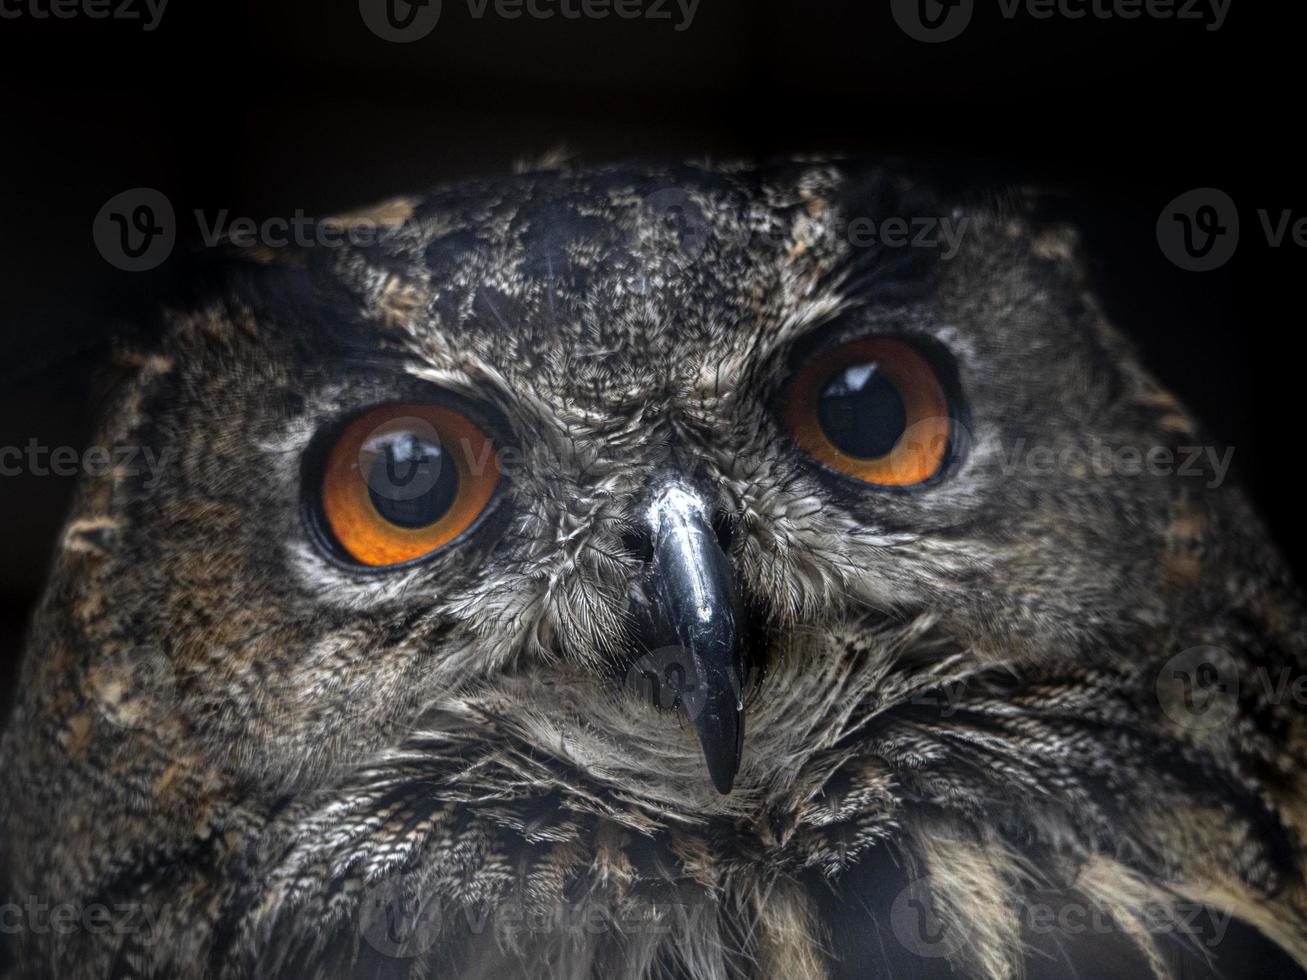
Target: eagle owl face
[[672, 513], [449, 464]]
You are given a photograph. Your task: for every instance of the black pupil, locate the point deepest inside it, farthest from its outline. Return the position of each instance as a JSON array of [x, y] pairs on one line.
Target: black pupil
[[412, 481], [862, 412]]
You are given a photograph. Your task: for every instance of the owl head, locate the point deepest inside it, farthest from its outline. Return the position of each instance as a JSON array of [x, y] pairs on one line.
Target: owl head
[[661, 502]]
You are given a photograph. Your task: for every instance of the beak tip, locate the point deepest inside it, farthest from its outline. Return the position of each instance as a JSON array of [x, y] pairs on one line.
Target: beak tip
[[721, 750], [723, 779]]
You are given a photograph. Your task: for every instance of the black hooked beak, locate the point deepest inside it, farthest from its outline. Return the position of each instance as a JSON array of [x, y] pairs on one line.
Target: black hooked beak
[[691, 623]]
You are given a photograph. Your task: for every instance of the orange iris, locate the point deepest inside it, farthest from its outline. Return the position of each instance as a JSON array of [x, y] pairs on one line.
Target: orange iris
[[404, 480], [873, 409]]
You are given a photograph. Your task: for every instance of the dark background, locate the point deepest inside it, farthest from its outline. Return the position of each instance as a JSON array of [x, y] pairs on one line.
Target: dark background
[[265, 108]]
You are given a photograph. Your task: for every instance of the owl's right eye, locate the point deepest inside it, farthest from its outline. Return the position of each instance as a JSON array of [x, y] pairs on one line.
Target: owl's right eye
[[873, 409], [403, 481]]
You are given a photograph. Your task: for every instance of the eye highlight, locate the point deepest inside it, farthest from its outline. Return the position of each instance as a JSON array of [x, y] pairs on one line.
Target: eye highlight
[[402, 481], [873, 409]]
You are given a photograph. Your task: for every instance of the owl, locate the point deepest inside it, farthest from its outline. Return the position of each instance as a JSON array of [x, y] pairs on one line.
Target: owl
[[704, 572]]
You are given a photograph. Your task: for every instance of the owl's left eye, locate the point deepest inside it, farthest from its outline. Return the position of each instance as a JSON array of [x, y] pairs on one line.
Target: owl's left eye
[[874, 409], [402, 481]]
